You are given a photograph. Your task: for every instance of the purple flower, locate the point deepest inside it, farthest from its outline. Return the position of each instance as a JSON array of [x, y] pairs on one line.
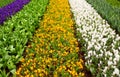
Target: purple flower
[[11, 9]]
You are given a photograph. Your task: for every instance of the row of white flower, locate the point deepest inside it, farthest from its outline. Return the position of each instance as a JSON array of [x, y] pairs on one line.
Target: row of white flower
[[103, 44]]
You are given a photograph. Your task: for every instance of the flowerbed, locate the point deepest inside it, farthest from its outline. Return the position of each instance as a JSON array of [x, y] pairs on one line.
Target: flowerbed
[[109, 12], [11, 9], [101, 42], [16, 32], [54, 50]]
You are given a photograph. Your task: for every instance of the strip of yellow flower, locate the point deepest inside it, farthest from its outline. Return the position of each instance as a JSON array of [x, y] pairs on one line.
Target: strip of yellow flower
[[54, 49]]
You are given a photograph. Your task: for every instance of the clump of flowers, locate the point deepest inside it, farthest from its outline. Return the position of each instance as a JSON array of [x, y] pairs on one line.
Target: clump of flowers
[[54, 49], [11, 9], [102, 43]]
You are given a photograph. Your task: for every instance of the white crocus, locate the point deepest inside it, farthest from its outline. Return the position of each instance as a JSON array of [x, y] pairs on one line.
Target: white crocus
[[110, 63], [116, 71]]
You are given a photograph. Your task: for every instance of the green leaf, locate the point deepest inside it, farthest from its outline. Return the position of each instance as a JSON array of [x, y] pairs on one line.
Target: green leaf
[[10, 64], [1, 65], [13, 71]]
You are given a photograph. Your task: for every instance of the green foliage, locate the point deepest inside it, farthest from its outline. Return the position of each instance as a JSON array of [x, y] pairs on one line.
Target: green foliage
[[5, 2], [3, 73], [16, 32], [114, 3], [108, 12], [82, 42]]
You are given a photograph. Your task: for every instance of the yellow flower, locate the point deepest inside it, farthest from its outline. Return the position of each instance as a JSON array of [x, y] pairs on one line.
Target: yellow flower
[[54, 44], [31, 68], [32, 76], [55, 74], [27, 76], [38, 70], [22, 60], [60, 69], [81, 74], [35, 71], [41, 75], [79, 64], [17, 73]]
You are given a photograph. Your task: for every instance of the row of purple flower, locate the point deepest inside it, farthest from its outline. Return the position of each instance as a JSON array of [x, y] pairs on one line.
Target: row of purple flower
[[11, 9]]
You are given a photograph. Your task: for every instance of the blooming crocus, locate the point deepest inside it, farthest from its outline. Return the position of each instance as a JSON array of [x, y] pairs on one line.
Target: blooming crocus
[[11, 9]]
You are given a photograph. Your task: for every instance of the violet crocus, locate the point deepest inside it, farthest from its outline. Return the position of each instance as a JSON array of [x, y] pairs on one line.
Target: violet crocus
[[11, 9]]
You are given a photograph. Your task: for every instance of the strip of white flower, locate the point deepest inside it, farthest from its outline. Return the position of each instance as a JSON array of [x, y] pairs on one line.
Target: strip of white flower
[[103, 44]]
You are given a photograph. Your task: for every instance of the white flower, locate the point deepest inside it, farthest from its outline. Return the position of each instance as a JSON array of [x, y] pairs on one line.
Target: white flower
[[90, 52], [97, 47], [105, 69], [114, 60], [96, 32], [119, 48], [109, 53], [100, 55], [110, 58], [117, 57], [110, 63], [116, 71], [104, 40]]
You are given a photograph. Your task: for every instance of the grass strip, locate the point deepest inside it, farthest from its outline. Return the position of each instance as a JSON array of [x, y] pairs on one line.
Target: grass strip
[[54, 50]]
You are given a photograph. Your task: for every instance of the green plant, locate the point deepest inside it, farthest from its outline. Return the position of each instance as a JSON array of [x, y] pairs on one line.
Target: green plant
[[5, 2], [16, 32], [114, 3], [3, 73]]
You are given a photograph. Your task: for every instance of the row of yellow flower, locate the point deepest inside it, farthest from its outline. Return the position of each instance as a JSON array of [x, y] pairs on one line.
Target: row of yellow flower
[[54, 49]]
